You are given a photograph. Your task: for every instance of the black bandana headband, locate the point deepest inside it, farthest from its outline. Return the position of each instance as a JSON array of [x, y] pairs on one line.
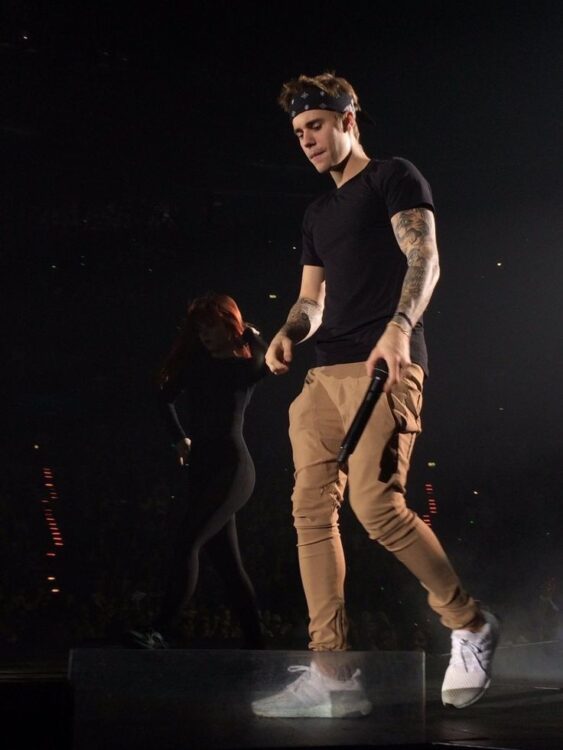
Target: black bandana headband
[[314, 98]]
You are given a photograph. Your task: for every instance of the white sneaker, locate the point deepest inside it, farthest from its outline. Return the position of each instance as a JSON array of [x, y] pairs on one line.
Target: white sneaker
[[149, 639], [469, 672], [315, 695]]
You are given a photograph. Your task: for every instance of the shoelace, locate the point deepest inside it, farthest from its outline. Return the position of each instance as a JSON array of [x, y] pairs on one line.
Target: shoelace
[[302, 668], [466, 653], [299, 668]]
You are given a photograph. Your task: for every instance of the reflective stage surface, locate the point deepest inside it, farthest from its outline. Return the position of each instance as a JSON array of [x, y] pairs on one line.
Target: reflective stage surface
[[184, 699], [238, 699]]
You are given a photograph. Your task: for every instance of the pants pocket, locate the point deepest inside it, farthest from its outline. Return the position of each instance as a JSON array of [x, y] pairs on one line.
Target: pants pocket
[[405, 402]]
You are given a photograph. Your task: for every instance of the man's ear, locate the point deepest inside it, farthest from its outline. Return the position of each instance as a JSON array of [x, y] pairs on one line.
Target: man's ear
[[348, 121]]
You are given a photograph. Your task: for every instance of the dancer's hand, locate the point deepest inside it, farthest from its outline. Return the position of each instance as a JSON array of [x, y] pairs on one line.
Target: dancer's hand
[[280, 354], [394, 347], [183, 448]]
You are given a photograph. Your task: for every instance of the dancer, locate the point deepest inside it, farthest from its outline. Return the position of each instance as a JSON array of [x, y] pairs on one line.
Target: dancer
[[215, 362], [370, 264]]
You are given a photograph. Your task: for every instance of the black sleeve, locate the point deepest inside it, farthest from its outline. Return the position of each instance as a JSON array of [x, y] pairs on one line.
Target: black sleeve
[[167, 395], [404, 187], [255, 367]]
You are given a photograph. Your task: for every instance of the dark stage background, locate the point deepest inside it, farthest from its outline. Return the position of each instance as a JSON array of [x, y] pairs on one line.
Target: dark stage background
[[144, 161]]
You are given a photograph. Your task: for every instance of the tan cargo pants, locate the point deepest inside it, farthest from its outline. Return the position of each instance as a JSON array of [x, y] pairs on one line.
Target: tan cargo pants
[[377, 474]]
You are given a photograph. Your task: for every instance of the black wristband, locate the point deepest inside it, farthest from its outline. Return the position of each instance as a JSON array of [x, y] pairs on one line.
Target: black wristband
[[405, 316]]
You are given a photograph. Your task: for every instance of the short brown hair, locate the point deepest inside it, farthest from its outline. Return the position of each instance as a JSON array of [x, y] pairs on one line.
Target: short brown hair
[[327, 81]]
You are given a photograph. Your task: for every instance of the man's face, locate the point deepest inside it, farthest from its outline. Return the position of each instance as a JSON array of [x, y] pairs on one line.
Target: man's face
[[322, 137]]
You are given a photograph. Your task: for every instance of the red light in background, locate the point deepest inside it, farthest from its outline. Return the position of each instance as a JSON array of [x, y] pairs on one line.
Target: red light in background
[[432, 504], [49, 515]]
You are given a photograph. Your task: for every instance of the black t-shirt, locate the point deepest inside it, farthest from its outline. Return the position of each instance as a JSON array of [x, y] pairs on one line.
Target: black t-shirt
[[348, 232]]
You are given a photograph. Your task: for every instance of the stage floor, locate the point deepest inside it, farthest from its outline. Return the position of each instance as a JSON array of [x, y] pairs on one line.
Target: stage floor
[[522, 711]]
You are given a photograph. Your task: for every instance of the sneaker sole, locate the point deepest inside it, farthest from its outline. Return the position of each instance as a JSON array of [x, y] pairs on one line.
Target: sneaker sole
[[316, 712], [472, 701]]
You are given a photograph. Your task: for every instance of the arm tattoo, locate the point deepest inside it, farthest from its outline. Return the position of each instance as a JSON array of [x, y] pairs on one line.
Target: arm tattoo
[[303, 320], [411, 227], [414, 232]]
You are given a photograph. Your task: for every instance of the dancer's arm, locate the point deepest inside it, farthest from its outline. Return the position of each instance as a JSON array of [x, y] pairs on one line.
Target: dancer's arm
[[167, 395], [303, 320], [256, 365]]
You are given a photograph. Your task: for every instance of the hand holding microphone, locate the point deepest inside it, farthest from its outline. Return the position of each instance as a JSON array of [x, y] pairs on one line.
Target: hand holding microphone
[[364, 412]]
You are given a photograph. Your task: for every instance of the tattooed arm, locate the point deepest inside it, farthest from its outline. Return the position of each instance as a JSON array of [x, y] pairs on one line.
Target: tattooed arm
[[415, 233], [303, 320]]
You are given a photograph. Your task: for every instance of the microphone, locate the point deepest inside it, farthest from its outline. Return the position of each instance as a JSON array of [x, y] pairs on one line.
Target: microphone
[[364, 412]]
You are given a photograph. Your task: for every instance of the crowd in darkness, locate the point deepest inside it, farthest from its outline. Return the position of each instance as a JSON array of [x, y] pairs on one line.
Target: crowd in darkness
[[104, 284]]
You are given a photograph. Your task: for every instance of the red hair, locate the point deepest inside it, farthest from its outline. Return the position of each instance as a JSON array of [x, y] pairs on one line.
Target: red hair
[[210, 308]]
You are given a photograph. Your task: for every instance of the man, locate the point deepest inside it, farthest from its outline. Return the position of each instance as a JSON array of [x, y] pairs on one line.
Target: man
[[370, 264]]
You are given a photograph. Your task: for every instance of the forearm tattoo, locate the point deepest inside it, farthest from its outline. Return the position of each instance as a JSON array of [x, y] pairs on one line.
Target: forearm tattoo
[[303, 320], [415, 234]]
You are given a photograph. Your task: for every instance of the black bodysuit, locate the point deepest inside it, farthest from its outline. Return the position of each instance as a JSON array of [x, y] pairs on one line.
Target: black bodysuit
[[221, 478]]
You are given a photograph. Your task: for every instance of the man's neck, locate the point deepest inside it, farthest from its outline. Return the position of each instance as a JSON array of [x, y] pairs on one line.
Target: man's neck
[[355, 162]]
